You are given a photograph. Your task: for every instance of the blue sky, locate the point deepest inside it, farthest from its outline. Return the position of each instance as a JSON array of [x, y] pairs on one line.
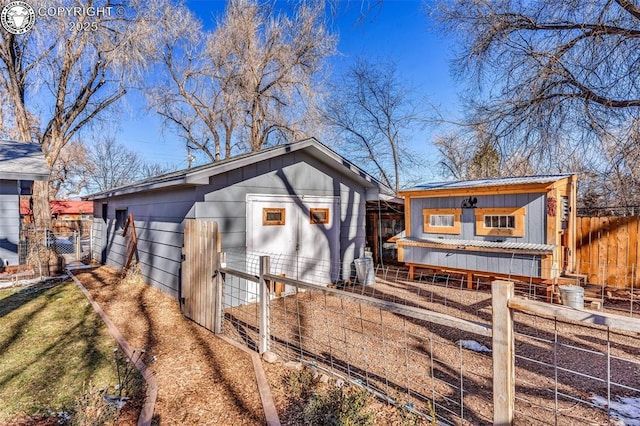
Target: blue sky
[[397, 31]]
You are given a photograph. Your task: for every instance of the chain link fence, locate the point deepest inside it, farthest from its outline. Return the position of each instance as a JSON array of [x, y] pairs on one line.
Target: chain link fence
[[47, 251]]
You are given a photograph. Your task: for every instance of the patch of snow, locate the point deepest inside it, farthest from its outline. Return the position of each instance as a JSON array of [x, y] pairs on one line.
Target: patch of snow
[[625, 410], [473, 345]]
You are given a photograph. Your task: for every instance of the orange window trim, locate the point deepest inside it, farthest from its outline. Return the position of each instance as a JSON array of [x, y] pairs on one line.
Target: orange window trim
[[426, 219], [318, 216], [268, 211], [518, 212]]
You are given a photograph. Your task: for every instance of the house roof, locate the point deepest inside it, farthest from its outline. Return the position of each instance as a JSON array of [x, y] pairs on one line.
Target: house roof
[[61, 207], [200, 175], [460, 185], [22, 161]]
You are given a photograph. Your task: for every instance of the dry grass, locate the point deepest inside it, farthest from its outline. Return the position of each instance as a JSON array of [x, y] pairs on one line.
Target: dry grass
[[52, 345]]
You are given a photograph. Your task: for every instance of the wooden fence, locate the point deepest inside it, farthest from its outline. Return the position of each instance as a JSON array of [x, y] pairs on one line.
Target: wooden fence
[[607, 250]]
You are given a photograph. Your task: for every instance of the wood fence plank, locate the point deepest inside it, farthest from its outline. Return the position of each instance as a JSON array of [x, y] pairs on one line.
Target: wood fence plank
[[622, 258], [611, 252], [201, 239], [594, 242], [608, 250], [632, 259]]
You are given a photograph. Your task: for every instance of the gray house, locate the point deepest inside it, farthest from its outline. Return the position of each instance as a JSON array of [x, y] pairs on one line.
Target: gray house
[[20, 164], [300, 201]]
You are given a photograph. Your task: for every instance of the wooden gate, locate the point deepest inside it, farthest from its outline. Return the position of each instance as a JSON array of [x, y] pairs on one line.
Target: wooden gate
[[199, 263]]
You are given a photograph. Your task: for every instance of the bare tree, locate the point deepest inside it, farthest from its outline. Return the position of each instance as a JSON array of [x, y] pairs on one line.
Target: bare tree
[[252, 82], [58, 78], [554, 79], [110, 165], [192, 100], [373, 114], [69, 172]]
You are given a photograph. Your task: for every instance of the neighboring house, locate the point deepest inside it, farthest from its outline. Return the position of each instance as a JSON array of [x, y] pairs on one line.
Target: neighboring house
[[300, 201], [520, 227], [21, 163], [60, 209]]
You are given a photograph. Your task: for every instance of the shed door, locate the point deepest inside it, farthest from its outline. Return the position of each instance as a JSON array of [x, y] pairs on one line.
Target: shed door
[[300, 233]]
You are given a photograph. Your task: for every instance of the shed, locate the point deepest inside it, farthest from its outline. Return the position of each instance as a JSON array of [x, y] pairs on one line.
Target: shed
[[301, 201], [514, 227], [21, 163]]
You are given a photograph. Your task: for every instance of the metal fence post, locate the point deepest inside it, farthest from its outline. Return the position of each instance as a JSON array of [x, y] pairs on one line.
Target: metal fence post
[[76, 236], [218, 281], [503, 354], [265, 333]]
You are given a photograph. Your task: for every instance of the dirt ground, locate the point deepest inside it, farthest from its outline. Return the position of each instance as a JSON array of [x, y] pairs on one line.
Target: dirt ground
[[204, 380], [201, 379]]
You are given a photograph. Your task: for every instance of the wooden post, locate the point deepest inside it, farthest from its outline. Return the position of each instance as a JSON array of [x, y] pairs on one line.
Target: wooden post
[[265, 334], [218, 282], [376, 238], [503, 354]]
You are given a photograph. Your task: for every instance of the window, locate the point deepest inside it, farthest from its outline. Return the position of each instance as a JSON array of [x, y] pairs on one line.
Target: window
[[319, 216], [121, 218], [500, 221], [273, 216], [444, 220], [441, 221]]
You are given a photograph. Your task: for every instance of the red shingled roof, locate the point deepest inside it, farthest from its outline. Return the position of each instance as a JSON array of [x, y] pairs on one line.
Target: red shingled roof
[[61, 207]]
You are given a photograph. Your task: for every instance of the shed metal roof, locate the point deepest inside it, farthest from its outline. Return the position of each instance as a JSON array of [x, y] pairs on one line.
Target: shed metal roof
[[200, 175], [479, 183], [22, 161], [512, 246]]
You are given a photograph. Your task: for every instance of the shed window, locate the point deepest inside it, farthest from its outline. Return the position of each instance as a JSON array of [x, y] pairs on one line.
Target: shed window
[[500, 221], [319, 216], [273, 216], [121, 218], [441, 221]]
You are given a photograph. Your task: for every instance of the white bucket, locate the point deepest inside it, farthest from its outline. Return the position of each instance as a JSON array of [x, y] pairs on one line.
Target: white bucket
[[364, 271], [572, 296]]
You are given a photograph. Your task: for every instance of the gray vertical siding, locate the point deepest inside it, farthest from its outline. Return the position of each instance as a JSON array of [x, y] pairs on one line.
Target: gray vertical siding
[[159, 215], [535, 218], [505, 264], [496, 263], [9, 221]]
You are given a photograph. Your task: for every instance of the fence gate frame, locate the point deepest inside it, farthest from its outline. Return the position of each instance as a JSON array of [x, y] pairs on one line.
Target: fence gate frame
[[199, 278]]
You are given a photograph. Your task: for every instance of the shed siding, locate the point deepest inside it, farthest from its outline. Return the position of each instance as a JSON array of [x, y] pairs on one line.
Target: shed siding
[[9, 221], [159, 215], [159, 221], [535, 224], [496, 263]]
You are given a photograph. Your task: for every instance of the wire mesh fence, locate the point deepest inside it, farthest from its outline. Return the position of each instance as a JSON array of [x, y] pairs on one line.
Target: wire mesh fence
[[46, 252], [426, 343], [597, 293]]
